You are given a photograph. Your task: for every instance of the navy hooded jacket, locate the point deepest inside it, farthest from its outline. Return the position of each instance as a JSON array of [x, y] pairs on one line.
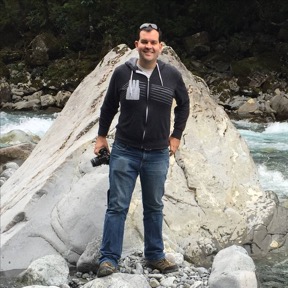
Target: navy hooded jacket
[[145, 105]]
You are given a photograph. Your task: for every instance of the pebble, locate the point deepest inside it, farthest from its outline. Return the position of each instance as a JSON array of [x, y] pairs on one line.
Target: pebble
[[188, 276], [154, 283], [168, 282]]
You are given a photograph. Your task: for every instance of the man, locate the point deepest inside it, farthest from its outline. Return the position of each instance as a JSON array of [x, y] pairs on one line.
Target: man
[[144, 89]]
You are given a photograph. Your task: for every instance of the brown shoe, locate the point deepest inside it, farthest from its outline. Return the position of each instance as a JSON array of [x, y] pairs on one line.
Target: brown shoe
[[106, 268], [163, 265]]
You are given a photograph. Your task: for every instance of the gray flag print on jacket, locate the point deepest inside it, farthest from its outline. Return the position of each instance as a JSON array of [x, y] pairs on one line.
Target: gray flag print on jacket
[[133, 91]]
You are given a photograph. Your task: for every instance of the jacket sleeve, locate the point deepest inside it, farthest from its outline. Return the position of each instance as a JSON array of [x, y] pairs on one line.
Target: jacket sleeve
[[181, 110], [109, 107]]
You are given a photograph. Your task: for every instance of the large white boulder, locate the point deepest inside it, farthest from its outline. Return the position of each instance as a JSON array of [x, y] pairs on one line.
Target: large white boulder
[[56, 201]]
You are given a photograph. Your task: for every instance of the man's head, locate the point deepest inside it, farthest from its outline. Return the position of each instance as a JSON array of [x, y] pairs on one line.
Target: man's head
[[148, 27], [149, 44]]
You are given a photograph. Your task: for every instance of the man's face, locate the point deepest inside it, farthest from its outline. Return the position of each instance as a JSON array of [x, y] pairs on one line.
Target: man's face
[[148, 46]]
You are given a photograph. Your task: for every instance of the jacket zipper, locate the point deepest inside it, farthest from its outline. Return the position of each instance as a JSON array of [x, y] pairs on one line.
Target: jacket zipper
[[147, 109]]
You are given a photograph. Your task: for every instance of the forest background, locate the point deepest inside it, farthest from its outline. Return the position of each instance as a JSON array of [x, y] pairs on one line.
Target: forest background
[[81, 32]]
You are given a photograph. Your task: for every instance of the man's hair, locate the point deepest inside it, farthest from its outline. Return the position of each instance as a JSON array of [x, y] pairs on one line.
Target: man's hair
[[149, 27]]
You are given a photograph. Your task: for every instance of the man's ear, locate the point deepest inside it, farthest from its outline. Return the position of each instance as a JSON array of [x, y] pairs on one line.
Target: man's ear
[[161, 46], [136, 44]]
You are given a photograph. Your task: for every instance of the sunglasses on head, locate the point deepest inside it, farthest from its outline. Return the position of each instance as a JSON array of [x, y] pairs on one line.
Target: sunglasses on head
[[147, 25]]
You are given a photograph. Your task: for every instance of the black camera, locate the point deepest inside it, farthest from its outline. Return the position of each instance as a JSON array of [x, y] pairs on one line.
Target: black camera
[[102, 158]]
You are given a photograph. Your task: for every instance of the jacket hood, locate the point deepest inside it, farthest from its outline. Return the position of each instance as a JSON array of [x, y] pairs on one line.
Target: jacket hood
[[131, 63]]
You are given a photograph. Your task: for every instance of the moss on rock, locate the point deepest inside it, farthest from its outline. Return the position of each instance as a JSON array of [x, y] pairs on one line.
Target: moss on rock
[[263, 62], [69, 73]]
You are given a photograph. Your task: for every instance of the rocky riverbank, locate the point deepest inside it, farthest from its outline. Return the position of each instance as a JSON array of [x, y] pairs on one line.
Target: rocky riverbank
[[132, 272]]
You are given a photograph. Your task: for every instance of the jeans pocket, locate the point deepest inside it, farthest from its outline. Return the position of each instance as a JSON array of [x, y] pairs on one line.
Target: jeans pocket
[[164, 151], [119, 145]]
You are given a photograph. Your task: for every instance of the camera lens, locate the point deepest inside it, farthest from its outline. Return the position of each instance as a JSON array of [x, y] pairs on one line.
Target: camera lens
[[94, 161]]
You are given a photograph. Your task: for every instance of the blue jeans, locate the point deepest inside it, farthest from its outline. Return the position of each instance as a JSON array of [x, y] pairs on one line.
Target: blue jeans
[[126, 163]]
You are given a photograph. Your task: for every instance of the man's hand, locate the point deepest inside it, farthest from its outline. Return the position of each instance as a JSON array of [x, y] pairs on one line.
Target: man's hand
[[101, 142], [174, 145]]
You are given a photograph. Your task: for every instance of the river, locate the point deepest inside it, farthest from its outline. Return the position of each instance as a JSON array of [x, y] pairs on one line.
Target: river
[[268, 144]]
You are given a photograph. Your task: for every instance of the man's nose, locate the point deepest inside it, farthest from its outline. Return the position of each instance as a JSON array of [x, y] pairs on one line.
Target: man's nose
[[148, 44]]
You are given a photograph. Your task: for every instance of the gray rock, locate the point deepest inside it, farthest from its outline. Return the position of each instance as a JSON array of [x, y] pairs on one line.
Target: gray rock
[[8, 105], [35, 95], [47, 100], [249, 107], [48, 270], [119, 280], [39, 51], [197, 284], [233, 267], [26, 87], [11, 165], [279, 104], [16, 98], [7, 173], [2, 180], [27, 105], [5, 92], [62, 97], [168, 282], [154, 283], [42, 286], [197, 40], [17, 146], [17, 91], [15, 137], [88, 261], [18, 153]]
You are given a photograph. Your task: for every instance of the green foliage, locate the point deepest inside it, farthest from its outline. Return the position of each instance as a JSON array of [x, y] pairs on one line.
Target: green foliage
[[275, 11], [98, 25], [70, 71]]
